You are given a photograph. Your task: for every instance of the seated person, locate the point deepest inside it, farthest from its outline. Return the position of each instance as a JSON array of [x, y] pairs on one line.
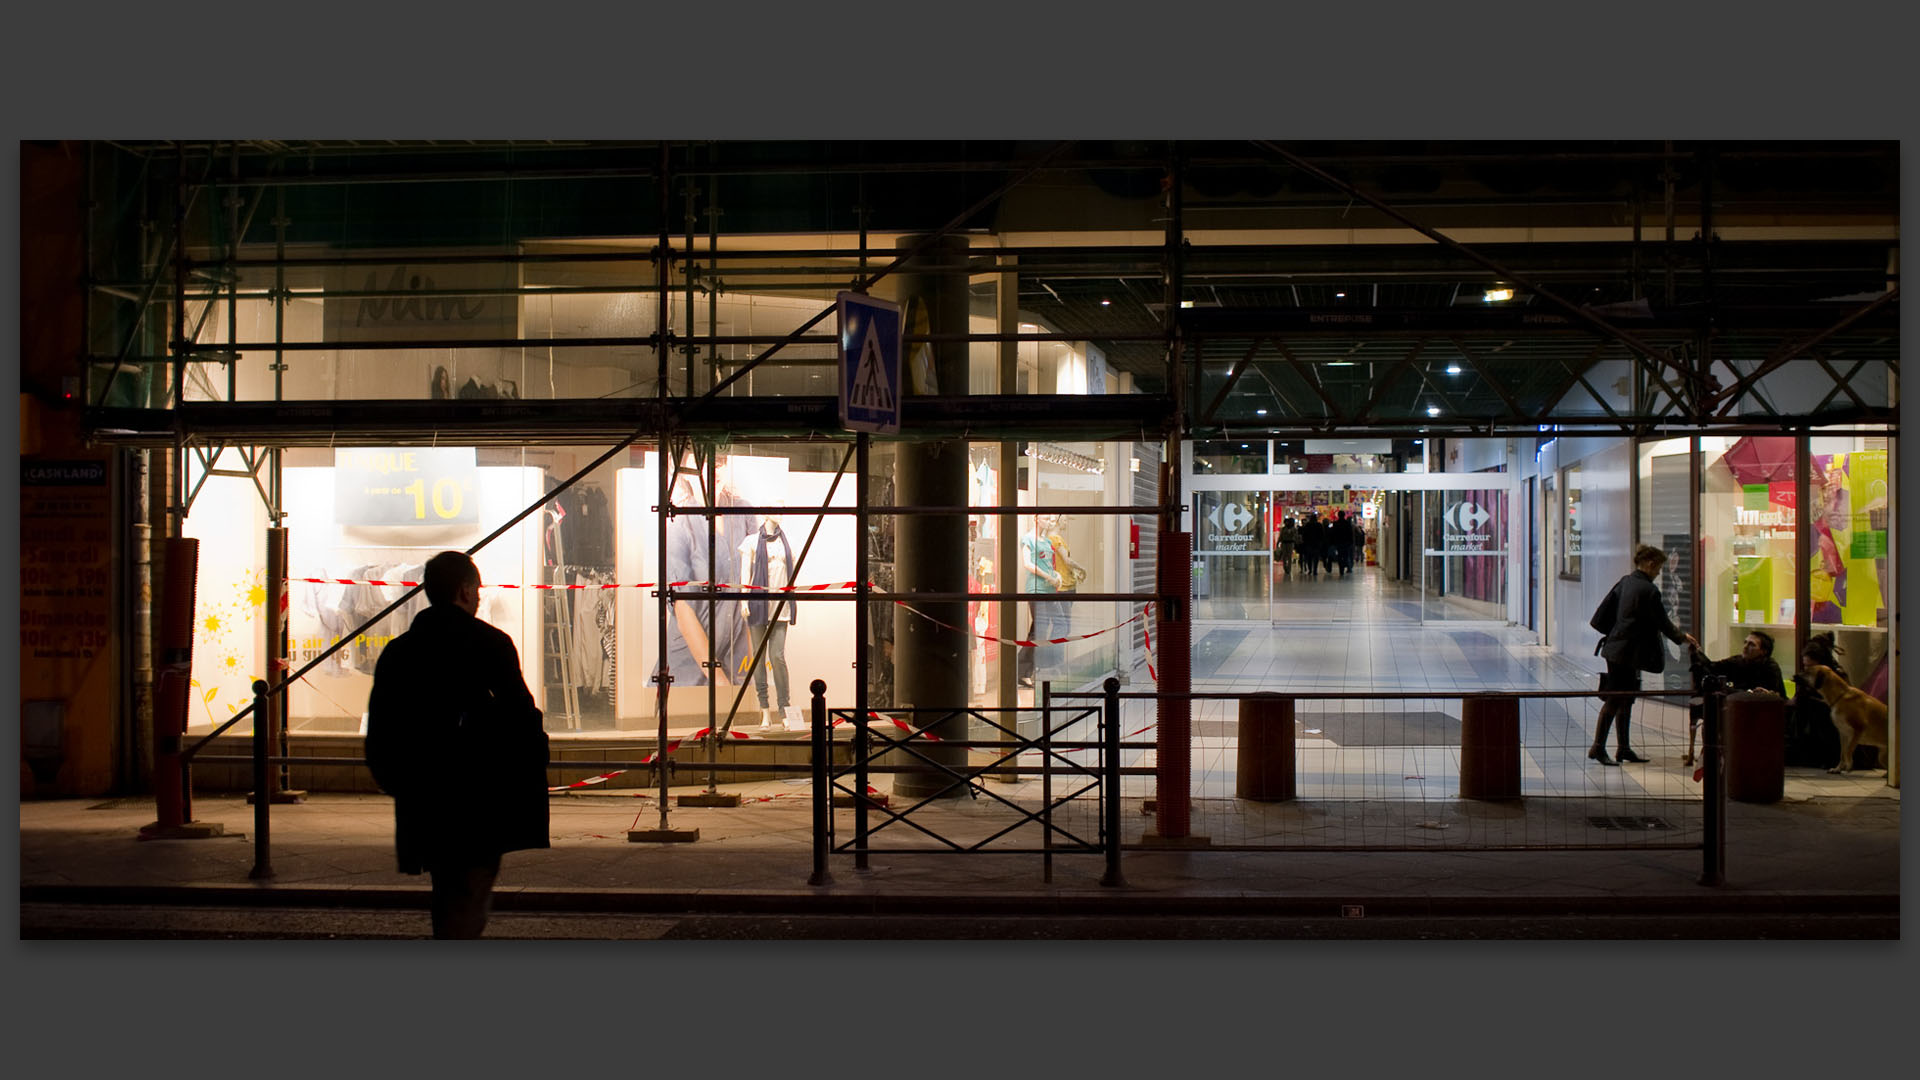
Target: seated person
[[1754, 668]]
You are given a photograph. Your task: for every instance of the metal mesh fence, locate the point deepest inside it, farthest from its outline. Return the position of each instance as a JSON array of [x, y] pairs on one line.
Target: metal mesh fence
[[1386, 773], [1365, 773]]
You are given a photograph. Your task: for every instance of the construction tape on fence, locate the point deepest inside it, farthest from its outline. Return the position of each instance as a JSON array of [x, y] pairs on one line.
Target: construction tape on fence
[[824, 587], [649, 759], [1018, 642], [895, 721]]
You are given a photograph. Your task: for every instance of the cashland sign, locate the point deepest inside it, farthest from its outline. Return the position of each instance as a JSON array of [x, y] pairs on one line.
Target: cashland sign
[[405, 486]]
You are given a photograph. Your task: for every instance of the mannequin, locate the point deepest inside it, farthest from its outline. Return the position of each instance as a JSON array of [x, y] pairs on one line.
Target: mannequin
[[766, 559]]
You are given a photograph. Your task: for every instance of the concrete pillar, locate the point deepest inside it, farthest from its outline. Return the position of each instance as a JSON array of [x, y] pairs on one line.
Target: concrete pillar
[[930, 551]]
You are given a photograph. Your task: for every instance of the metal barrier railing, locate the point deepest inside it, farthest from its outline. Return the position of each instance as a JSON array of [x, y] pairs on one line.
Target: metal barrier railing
[[1389, 772], [1086, 818], [1060, 818]]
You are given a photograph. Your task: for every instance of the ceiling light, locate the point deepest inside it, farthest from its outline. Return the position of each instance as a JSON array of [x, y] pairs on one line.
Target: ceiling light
[[1433, 410], [1453, 369], [1259, 412], [1186, 303], [1104, 302], [1419, 442], [1243, 446], [1340, 295], [1496, 295]]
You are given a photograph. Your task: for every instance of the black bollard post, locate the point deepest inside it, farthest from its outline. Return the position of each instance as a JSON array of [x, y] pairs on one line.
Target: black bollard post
[[262, 786], [1110, 767], [860, 745], [822, 792], [1713, 817]]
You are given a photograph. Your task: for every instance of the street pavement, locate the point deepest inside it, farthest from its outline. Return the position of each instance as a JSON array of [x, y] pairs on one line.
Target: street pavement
[[1802, 867]]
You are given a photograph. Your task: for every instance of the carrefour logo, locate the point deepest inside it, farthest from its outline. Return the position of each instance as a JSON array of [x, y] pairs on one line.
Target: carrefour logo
[[1231, 518], [1466, 517]]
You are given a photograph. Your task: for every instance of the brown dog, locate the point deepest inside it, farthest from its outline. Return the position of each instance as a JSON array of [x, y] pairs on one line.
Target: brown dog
[[1860, 719]]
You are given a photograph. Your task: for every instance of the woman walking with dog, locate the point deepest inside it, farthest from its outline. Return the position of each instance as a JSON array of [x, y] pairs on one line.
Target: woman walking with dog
[[1634, 618]]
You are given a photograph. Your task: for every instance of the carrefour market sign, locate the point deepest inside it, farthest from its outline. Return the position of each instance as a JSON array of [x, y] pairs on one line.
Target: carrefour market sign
[[1464, 521]]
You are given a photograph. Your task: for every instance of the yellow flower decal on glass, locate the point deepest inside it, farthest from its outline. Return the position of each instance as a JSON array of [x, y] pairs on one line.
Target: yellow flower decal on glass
[[257, 595], [213, 624]]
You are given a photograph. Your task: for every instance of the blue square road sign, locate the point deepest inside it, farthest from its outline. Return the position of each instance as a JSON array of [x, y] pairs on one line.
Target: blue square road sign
[[870, 349]]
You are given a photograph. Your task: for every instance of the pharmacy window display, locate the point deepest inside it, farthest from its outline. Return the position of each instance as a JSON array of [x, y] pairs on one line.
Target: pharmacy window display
[[1749, 523]]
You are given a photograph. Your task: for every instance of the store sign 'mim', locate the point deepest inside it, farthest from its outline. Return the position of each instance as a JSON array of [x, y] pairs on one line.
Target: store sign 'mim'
[[405, 486], [433, 301]]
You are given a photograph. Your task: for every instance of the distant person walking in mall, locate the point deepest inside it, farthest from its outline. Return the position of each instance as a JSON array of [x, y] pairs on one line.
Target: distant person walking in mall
[[1284, 547], [1342, 533], [1312, 536], [454, 736], [1634, 618]]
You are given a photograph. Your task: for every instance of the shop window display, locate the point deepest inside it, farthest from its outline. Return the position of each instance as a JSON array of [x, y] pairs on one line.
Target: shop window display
[[1749, 518], [1568, 512]]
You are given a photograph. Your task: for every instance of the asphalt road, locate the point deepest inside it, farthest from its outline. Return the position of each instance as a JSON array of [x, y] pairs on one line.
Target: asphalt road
[[40, 921]]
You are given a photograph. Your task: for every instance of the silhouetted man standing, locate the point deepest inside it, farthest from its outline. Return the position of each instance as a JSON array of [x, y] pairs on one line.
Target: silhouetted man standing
[[454, 736]]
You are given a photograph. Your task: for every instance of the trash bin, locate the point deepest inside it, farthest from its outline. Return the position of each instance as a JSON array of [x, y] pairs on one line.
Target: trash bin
[[1264, 772], [1490, 748], [1755, 730]]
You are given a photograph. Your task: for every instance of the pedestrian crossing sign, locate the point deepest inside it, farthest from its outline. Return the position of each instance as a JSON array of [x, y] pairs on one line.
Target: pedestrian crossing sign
[[870, 349]]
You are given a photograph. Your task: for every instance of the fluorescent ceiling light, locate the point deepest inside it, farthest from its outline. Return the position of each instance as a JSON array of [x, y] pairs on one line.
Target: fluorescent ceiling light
[[1186, 303], [1453, 369], [1433, 410], [1259, 412], [1496, 295], [1104, 302]]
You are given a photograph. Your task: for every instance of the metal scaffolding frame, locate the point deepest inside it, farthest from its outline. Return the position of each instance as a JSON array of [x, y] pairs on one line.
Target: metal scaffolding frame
[[1676, 382]]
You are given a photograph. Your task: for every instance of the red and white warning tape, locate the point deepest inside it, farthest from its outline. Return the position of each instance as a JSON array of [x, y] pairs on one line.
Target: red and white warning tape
[[825, 587], [740, 736], [1019, 642]]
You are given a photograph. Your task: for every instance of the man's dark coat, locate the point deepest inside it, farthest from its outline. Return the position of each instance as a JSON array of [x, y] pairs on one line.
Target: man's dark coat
[[1639, 619], [454, 736]]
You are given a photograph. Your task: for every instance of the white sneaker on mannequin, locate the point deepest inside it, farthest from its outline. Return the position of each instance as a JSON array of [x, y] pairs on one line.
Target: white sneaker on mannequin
[[769, 718]]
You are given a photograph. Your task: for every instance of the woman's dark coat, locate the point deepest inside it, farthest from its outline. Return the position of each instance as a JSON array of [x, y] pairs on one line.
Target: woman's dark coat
[[1639, 620], [454, 736]]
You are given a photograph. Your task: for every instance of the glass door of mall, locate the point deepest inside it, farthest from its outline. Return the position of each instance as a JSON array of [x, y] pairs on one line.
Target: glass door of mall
[[1433, 548]]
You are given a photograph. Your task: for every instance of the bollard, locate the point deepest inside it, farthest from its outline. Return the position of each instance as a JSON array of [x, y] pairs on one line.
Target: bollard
[[1110, 771], [1754, 726], [262, 798], [860, 745], [1264, 770], [1489, 747], [822, 794], [1713, 815]]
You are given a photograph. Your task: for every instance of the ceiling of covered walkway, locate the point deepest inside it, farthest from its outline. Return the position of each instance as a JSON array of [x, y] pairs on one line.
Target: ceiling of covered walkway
[[1333, 285]]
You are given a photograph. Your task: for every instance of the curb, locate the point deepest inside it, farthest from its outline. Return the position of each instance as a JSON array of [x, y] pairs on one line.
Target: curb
[[825, 901]]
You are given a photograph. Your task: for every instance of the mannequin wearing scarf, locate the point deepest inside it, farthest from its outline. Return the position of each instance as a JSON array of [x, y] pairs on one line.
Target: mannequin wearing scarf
[[769, 559]]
